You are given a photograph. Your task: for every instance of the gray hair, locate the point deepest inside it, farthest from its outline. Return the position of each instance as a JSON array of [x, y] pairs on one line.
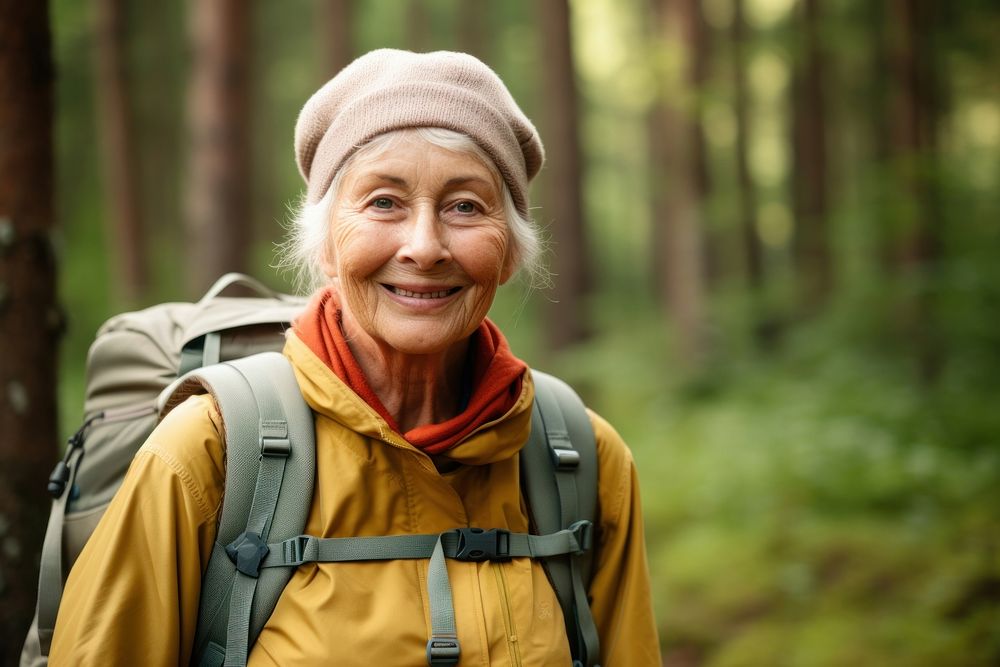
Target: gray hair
[[304, 249]]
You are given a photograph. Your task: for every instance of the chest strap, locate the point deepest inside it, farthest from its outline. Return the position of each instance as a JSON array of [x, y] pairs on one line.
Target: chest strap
[[465, 544], [251, 555]]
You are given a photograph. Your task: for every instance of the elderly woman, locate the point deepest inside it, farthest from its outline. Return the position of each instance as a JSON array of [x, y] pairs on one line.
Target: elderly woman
[[417, 168]]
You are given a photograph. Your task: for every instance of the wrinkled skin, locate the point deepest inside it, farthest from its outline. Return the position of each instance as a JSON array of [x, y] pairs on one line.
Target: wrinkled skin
[[418, 247]]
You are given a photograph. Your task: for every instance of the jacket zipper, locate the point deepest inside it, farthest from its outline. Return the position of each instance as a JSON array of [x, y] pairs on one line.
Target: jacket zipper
[[508, 615]]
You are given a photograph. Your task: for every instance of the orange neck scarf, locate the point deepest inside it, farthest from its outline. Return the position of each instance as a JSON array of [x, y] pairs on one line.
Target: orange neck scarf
[[495, 374]]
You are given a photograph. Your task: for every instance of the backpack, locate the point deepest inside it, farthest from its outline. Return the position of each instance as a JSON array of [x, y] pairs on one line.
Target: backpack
[[133, 358], [133, 370]]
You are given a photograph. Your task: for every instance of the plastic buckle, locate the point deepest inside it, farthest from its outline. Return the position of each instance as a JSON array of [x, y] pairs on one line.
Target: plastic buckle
[[477, 544], [565, 459], [275, 447], [583, 532], [294, 550], [442, 651], [248, 551]]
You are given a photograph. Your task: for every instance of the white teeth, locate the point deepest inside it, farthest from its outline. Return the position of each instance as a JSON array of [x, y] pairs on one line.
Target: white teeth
[[421, 295]]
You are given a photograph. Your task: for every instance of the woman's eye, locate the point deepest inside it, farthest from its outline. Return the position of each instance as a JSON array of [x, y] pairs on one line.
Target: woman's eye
[[465, 207], [382, 202]]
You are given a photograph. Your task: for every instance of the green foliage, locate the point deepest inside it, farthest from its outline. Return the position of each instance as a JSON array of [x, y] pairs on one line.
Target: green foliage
[[822, 506], [821, 492]]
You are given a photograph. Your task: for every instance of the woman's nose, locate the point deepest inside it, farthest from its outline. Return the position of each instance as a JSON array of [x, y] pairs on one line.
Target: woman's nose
[[425, 242]]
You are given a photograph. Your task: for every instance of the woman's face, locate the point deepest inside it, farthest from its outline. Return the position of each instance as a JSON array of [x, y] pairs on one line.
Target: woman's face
[[418, 245]]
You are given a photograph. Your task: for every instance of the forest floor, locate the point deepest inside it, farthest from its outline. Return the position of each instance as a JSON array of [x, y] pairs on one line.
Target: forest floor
[[823, 507]]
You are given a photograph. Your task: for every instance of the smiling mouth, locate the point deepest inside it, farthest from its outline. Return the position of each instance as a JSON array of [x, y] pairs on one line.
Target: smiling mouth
[[437, 294]]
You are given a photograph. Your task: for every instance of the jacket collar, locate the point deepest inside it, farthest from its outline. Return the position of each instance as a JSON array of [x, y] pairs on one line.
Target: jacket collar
[[327, 395]]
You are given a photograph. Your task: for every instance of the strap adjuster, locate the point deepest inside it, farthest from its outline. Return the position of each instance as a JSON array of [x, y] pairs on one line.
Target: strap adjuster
[[294, 550], [275, 447], [248, 551], [565, 459], [583, 532], [477, 544], [442, 651]]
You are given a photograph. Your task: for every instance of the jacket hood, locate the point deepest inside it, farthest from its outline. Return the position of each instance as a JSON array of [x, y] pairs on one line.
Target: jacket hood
[[327, 395]]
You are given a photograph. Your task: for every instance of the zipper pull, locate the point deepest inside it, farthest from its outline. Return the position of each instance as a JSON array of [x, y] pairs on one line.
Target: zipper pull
[[60, 474]]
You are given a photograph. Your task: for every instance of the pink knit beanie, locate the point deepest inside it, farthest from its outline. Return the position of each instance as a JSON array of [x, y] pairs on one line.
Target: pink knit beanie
[[388, 90]]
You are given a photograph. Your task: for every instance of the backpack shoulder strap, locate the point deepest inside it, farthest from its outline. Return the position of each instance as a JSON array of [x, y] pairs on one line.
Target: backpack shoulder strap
[[559, 473], [270, 469]]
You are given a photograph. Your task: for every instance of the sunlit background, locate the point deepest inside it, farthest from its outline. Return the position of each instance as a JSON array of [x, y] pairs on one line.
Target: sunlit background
[[786, 301]]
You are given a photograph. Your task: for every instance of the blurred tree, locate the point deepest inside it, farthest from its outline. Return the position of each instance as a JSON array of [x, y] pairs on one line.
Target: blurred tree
[[876, 93], [679, 167], [566, 321], [912, 147], [338, 17], [752, 251], [123, 219], [218, 198], [809, 152], [159, 62], [30, 321], [472, 35], [913, 126], [419, 26]]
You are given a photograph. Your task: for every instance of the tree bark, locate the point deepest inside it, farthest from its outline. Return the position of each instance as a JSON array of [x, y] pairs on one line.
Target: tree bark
[[678, 235], [218, 203], [752, 251], [913, 111], [124, 221], [566, 316], [30, 320], [812, 247], [338, 17]]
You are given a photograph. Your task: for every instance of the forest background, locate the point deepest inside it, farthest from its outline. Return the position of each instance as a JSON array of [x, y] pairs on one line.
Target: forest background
[[775, 245]]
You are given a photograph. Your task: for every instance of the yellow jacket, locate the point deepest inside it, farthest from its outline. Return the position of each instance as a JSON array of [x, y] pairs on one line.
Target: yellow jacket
[[132, 597]]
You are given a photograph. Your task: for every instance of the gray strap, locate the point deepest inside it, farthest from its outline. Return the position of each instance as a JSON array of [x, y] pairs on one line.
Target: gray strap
[[257, 397], [587, 639], [238, 630], [212, 349], [308, 549], [443, 647], [274, 450], [50, 577], [272, 469], [561, 418], [565, 465]]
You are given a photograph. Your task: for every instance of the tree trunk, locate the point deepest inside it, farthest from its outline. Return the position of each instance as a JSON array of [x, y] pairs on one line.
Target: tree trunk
[[123, 218], [679, 188], [30, 320], [472, 31], [764, 328], [566, 316], [338, 19], [912, 147], [752, 251], [877, 87], [912, 125], [812, 247], [419, 23], [218, 204]]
